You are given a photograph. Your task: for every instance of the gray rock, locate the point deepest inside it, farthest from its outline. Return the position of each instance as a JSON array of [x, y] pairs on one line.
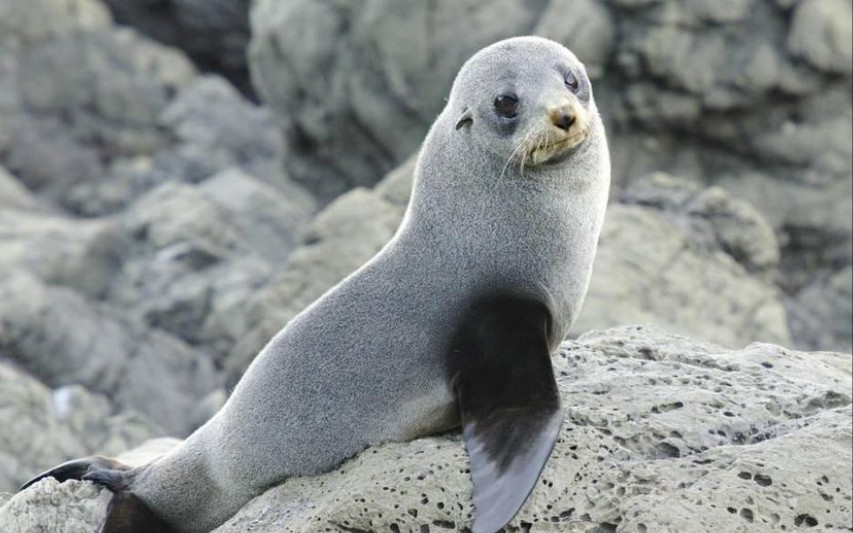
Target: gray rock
[[208, 128], [45, 427], [271, 222], [14, 196], [87, 98], [821, 33], [64, 339], [81, 254], [199, 252], [660, 433], [40, 20], [82, 511], [215, 33], [822, 313], [649, 271]]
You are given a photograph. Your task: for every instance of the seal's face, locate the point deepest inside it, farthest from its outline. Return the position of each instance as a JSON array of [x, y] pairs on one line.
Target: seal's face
[[527, 101]]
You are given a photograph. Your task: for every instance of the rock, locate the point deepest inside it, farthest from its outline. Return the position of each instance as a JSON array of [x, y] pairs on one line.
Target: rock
[[81, 254], [45, 427], [82, 509], [199, 252], [93, 116], [14, 196], [208, 129], [40, 20], [64, 339], [212, 115], [822, 313], [660, 433], [215, 33], [649, 272], [821, 33], [269, 220], [85, 99], [719, 220]]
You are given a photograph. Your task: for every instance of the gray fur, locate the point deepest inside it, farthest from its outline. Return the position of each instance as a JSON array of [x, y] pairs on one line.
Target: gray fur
[[364, 364]]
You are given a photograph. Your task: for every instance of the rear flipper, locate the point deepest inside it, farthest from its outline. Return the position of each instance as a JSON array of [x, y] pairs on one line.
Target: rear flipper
[[508, 400], [126, 513]]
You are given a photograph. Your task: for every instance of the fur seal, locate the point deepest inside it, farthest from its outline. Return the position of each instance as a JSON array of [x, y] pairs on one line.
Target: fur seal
[[452, 323]]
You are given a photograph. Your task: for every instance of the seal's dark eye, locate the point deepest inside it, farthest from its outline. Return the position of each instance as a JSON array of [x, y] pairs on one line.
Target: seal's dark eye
[[572, 81], [507, 105]]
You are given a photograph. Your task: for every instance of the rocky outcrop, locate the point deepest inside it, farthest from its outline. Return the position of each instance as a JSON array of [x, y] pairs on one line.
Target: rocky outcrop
[[660, 433], [140, 204], [214, 33], [65, 340], [47, 427]]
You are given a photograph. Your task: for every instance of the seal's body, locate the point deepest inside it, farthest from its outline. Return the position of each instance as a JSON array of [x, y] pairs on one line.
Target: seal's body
[[452, 322]]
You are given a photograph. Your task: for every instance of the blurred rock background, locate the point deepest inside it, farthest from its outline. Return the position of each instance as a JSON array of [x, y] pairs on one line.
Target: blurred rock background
[[178, 178]]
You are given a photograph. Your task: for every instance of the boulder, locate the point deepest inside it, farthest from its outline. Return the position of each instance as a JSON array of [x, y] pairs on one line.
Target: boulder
[[207, 129], [696, 261], [86, 98], [198, 252], [660, 433], [46, 427], [64, 339], [214, 33]]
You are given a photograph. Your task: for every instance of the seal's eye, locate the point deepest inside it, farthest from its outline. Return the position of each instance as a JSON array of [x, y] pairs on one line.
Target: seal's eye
[[507, 105], [572, 81]]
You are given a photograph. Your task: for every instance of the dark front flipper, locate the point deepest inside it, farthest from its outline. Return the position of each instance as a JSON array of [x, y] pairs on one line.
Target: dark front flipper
[[126, 512], [508, 401]]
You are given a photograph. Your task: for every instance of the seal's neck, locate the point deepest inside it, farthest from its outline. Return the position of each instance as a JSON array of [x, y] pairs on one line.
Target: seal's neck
[[469, 220]]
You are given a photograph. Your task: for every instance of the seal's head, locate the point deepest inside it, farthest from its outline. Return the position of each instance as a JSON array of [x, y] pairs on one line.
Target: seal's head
[[525, 100]]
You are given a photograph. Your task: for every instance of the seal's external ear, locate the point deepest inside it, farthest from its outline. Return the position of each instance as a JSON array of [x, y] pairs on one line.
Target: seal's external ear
[[466, 118]]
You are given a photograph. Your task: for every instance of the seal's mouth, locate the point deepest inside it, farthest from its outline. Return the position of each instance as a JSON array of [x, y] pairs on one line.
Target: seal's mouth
[[554, 148], [555, 151], [548, 146]]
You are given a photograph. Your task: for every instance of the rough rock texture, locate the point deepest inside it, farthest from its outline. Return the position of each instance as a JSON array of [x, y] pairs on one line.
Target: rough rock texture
[[64, 340], [750, 95], [660, 434], [215, 33], [140, 204], [92, 115], [693, 260], [46, 427], [82, 94]]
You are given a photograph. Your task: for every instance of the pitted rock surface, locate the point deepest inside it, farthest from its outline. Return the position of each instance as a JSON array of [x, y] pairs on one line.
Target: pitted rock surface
[[660, 433]]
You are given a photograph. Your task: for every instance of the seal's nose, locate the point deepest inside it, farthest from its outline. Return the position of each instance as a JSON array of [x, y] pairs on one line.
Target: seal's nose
[[563, 117]]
